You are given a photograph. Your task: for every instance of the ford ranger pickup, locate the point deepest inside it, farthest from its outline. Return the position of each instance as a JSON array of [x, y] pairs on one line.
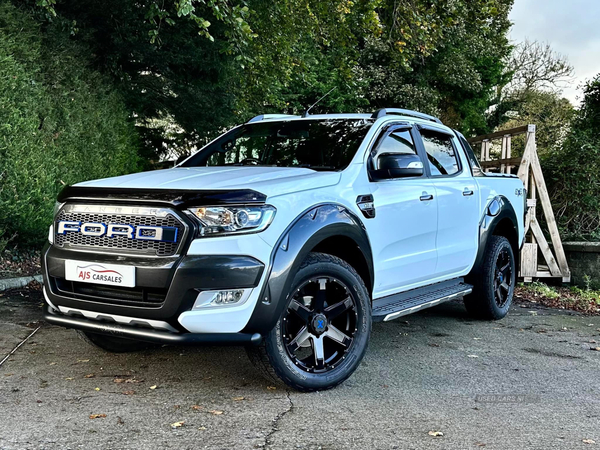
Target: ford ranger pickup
[[288, 235]]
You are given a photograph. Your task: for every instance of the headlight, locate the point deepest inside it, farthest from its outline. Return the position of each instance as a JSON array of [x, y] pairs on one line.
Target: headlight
[[217, 220]]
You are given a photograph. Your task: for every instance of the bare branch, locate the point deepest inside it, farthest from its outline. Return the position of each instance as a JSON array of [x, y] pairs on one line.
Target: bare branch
[[536, 66]]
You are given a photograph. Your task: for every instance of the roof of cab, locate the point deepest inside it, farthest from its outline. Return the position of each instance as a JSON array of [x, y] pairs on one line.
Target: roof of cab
[[384, 115]]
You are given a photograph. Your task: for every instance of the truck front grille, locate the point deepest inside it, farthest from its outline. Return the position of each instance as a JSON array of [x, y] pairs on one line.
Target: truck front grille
[[133, 216]]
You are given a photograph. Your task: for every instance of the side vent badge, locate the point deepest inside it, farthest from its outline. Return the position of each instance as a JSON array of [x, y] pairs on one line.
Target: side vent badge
[[366, 205]]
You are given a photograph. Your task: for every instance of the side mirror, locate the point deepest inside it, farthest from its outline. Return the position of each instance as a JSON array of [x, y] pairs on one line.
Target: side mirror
[[396, 165]]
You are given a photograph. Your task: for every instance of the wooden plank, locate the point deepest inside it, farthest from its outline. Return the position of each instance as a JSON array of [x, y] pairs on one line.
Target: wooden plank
[[549, 214], [485, 152], [498, 134], [503, 154], [529, 264], [544, 247], [509, 153], [531, 204], [530, 149], [530, 213], [497, 162]]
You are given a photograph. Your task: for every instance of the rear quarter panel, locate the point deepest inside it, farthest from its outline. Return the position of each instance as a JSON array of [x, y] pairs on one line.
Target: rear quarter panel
[[511, 187]]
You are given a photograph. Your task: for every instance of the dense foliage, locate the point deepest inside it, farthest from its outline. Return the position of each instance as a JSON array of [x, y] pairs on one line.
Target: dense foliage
[[573, 170], [189, 68], [60, 123], [76, 72]]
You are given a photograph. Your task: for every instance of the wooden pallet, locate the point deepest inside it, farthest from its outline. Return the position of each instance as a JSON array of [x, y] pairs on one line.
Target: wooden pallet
[[529, 170]]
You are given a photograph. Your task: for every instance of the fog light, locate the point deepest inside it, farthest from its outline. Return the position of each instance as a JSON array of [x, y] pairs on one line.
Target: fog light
[[230, 297]]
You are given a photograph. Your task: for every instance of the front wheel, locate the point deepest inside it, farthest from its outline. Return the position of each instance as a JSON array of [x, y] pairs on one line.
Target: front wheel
[[494, 282], [322, 335]]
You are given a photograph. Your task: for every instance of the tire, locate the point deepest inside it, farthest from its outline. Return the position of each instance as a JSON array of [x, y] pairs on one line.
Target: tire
[[493, 294], [114, 344], [336, 287]]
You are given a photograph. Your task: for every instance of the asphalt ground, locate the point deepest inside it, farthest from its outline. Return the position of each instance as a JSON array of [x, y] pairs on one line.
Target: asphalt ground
[[530, 380]]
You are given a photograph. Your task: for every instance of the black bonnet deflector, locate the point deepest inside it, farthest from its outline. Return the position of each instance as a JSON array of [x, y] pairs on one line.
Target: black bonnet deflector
[[177, 198]]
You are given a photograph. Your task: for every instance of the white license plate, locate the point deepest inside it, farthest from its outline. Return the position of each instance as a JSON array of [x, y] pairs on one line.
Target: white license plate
[[111, 274]]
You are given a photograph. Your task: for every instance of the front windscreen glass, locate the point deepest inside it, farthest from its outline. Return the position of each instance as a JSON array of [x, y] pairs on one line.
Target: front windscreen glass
[[313, 144]]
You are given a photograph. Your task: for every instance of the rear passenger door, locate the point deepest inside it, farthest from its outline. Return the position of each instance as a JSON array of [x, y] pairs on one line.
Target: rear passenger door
[[457, 202]]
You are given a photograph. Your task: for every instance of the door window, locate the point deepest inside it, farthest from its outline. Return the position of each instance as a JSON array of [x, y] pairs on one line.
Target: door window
[[441, 154], [399, 141]]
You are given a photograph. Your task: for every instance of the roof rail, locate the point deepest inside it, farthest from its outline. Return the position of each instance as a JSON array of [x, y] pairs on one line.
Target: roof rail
[[270, 116], [404, 112]]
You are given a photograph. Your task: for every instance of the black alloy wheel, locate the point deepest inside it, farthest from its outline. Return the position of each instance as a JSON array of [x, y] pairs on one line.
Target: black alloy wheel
[[493, 281], [323, 332], [503, 280], [319, 324]]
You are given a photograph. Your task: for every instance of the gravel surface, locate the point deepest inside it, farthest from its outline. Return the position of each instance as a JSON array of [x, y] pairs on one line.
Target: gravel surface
[[528, 381]]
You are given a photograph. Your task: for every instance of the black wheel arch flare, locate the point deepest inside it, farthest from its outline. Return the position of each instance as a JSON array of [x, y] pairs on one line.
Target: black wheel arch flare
[[498, 213], [310, 228]]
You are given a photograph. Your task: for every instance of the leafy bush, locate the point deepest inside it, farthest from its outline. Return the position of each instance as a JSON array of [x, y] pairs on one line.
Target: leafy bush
[[60, 123], [573, 171]]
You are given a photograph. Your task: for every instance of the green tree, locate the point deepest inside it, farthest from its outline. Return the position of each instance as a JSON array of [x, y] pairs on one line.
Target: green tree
[[442, 56], [573, 171], [549, 111]]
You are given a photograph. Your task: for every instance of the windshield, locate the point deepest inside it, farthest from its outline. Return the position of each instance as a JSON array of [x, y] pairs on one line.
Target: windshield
[[314, 144]]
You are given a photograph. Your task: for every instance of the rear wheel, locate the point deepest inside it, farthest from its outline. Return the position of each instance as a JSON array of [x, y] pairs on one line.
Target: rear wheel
[[114, 344], [494, 282], [322, 334]]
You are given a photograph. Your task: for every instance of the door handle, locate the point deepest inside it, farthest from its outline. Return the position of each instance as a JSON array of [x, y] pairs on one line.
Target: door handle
[[467, 192], [426, 197]]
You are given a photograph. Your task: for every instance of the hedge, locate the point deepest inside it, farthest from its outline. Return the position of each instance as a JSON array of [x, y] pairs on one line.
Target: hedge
[[60, 123]]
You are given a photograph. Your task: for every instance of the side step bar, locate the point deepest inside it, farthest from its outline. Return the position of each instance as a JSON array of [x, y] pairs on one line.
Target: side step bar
[[404, 303]]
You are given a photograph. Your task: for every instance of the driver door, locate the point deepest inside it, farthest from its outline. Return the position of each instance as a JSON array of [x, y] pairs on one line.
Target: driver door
[[403, 231]]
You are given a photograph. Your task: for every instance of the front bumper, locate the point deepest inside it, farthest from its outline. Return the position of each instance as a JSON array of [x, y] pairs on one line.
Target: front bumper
[[165, 288], [149, 335]]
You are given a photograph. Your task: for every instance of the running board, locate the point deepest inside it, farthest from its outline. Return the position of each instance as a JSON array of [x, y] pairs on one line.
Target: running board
[[404, 303]]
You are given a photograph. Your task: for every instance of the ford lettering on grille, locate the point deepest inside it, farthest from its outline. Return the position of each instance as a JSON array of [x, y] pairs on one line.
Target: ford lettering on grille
[[119, 229], [141, 232]]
